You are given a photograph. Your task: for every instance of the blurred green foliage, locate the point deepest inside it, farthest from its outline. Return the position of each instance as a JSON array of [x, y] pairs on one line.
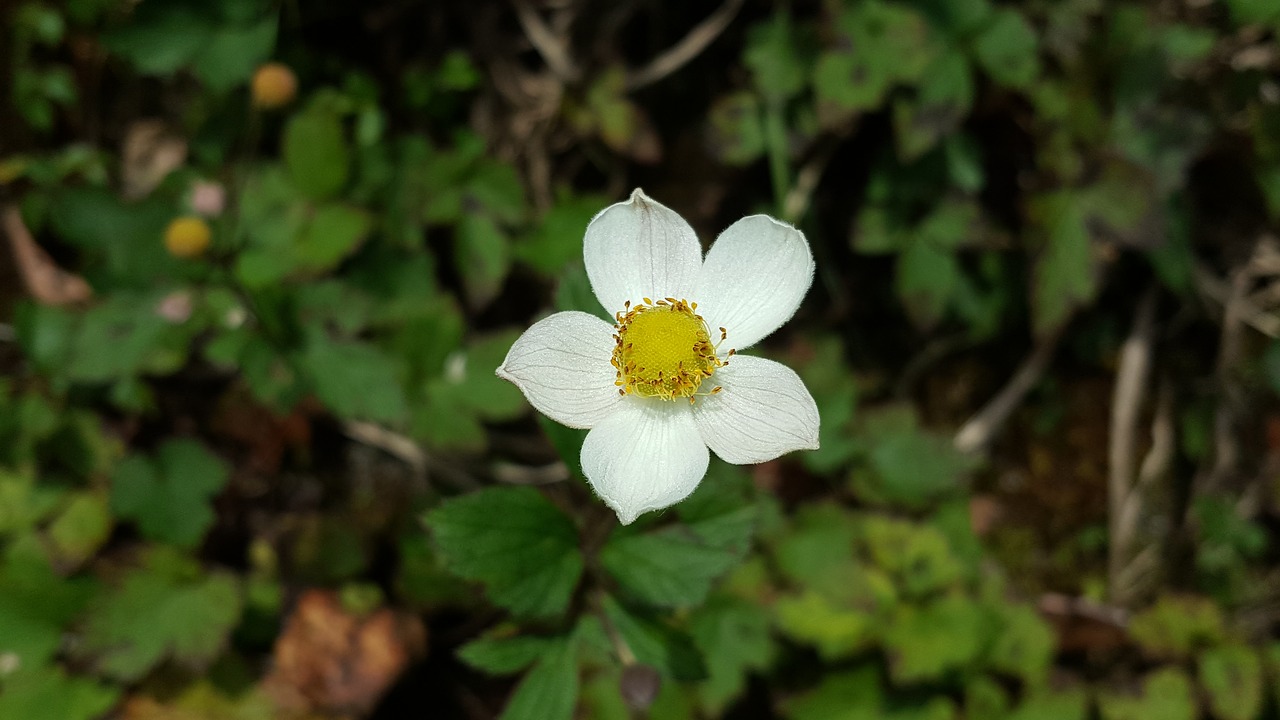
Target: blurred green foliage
[[193, 445]]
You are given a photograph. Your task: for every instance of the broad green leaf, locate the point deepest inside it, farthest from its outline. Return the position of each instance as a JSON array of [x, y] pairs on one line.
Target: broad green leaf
[[1231, 675], [1052, 705], [316, 153], [161, 37], [734, 638], [189, 615], [168, 496], [48, 692], [482, 254], [849, 695], [233, 52], [1025, 645], [910, 467], [943, 101], [36, 606], [774, 58], [79, 529], [926, 279], [723, 511], [505, 655], [334, 233], [926, 642], [1064, 276], [489, 396], [1253, 12], [514, 541], [917, 556], [1177, 627], [445, 420], [1166, 694], [1008, 49], [353, 379], [835, 630], [549, 691], [669, 568], [656, 643], [556, 241]]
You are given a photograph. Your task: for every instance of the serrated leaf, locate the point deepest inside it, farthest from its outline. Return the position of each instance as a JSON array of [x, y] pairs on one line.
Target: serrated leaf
[[1025, 645], [834, 630], [188, 616], [668, 568], [550, 690], [1177, 627], [735, 129], [1065, 275], [556, 241], [79, 529], [772, 55], [36, 605], [911, 467], [656, 643], [168, 496], [316, 153], [926, 279], [353, 379], [514, 541], [722, 511]]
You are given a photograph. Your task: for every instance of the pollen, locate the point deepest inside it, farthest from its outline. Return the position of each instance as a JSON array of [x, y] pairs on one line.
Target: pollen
[[663, 350]]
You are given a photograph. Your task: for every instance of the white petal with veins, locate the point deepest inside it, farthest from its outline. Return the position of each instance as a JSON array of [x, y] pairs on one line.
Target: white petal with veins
[[753, 279], [646, 456], [561, 364], [640, 248], [763, 412]]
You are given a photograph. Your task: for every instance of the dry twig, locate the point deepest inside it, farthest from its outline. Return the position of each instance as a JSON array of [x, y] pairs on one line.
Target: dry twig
[[689, 47]]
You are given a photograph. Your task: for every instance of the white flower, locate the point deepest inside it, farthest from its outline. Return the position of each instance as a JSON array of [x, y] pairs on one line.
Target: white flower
[[665, 383]]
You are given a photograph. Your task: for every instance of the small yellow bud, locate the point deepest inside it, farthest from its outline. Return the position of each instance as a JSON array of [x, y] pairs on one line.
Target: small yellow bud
[[274, 85], [187, 237]]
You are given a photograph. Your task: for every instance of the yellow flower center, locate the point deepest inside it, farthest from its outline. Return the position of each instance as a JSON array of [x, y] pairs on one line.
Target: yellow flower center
[[663, 350]]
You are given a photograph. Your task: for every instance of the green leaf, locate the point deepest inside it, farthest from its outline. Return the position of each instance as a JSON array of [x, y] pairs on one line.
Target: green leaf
[[353, 379], [1177, 627], [505, 655], [161, 38], [1025, 645], [1052, 705], [1064, 276], [333, 234], [850, 695], [169, 496], [911, 467], [234, 52], [1253, 12], [722, 511], [917, 556], [550, 690], [482, 255], [735, 639], [926, 280], [514, 541], [735, 128], [668, 568], [926, 642], [1231, 676], [80, 528], [656, 643], [835, 630], [773, 56], [316, 153], [36, 607], [48, 692], [1166, 694], [556, 241], [188, 616], [1008, 49]]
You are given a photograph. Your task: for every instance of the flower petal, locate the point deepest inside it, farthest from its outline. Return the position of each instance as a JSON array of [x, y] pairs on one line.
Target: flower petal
[[640, 248], [763, 412], [753, 279], [561, 364], [645, 456]]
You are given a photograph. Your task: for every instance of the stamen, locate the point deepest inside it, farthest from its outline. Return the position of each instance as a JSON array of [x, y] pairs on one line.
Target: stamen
[[663, 350]]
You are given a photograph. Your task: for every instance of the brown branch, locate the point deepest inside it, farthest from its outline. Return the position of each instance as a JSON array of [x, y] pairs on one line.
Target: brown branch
[[553, 48], [689, 47]]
